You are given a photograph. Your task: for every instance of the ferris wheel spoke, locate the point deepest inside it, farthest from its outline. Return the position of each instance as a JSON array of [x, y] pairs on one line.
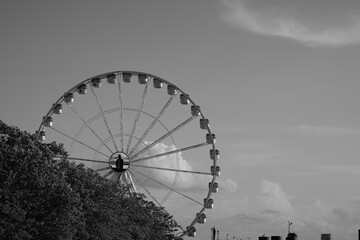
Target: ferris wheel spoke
[[59, 157], [103, 116], [170, 152], [165, 186], [148, 192], [88, 126], [108, 173], [130, 182], [121, 113], [172, 170], [118, 177], [164, 136], [84, 144], [83, 127], [85, 160], [150, 127], [102, 169], [121, 179], [137, 116]]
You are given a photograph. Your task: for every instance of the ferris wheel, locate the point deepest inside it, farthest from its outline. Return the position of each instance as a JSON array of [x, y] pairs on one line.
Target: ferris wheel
[[145, 133]]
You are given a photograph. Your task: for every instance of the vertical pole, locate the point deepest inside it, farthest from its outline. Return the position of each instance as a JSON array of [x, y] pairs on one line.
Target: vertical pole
[[213, 232], [289, 224]]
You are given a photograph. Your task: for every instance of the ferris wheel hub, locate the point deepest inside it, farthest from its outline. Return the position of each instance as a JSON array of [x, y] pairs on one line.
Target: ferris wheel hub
[[119, 162]]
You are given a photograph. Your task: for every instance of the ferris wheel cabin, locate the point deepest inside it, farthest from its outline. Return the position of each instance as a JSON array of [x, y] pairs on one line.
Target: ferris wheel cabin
[[111, 78], [201, 218], [143, 78], [96, 82], [69, 97], [157, 83], [191, 231], [214, 187], [82, 89], [126, 77], [57, 108]]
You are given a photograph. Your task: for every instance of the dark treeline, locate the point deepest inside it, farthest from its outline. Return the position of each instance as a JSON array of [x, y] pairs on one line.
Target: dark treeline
[[43, 198]]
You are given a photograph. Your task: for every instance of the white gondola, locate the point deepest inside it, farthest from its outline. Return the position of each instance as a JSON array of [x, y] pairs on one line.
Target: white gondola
[[214, 154], [57, 109], [111, 78], [215, 171], [143, 78], [41, 135], [191, 231], [204, 123], [158, 83], [47, 121], [195, 110], [126, 77], [208, 203], [214, 187], [210, 138], [201, 218], [184, 99], [172, 90], [96, 82], [69, 97], [82, 89]]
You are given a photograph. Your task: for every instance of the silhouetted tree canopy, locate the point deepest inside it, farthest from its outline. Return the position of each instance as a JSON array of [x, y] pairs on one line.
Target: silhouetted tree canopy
[[43, 198]]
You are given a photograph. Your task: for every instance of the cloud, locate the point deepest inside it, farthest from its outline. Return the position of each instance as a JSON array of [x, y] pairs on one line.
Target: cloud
[[183, 181], [227, 185], [337, 168], [348, 214], [268, 199], [173, 161], [289, 23], [326, 131], [253, 212], [341, 221], [260, 159], [268, 211], [268, 208], [273, 198]]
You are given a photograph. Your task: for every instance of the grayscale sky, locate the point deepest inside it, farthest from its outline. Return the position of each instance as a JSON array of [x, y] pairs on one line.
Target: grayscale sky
[[279, 80]]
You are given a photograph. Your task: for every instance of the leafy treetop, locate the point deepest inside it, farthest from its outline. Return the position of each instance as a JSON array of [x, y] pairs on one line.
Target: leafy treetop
[[43, 198]]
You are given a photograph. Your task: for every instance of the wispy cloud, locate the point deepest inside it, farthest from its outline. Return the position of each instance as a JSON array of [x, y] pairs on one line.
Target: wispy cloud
[[286, 23], [322, 131], [261, 159], [347, 169]]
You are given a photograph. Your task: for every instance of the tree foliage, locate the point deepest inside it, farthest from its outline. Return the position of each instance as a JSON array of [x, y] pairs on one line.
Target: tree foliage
[[43, 198]]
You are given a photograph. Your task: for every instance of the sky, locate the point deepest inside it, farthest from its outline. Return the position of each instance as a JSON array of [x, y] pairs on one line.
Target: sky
[[278, 79]]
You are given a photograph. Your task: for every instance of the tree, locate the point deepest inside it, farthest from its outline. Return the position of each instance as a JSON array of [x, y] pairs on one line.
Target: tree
[[111, 212], [35, 201], [41, 198]]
